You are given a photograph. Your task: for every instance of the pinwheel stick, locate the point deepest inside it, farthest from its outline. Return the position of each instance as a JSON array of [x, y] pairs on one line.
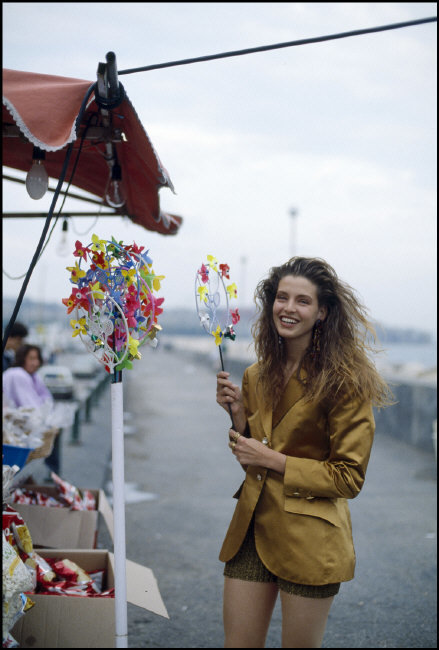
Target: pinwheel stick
[[222, 368]]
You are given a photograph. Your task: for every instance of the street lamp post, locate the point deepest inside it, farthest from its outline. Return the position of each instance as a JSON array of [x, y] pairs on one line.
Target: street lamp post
[[293, 231]]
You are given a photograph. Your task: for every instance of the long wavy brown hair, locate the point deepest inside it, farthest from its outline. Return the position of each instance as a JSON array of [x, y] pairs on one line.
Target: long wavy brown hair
[[342, 365]]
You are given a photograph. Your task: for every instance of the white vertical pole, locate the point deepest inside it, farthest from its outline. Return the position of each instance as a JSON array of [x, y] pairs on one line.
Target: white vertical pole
[[120, 586]]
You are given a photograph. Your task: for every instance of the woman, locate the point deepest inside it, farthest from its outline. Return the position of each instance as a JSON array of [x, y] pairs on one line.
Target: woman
[[303, 433], [21, 384]]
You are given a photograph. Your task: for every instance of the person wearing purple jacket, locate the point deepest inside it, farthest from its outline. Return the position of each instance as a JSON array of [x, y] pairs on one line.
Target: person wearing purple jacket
[[21, 384]]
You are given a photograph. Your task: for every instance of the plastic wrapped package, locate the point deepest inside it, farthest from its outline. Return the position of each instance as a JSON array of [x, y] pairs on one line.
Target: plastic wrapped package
[[16, 580], [23, 427], [8, 476], [72, 496]]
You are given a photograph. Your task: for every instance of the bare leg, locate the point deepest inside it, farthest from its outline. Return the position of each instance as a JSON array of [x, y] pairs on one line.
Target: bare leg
[[247, 611], [303, 620]]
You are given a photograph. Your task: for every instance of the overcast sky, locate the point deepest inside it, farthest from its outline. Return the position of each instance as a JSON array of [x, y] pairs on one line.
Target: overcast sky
[[343, 132]]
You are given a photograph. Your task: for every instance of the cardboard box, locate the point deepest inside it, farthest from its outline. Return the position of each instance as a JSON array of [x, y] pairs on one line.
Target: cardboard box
[[78, 622], [61, 527]]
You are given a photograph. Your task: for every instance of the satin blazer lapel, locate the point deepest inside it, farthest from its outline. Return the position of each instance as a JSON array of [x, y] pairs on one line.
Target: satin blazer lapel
[[292, 394], [264, 411]]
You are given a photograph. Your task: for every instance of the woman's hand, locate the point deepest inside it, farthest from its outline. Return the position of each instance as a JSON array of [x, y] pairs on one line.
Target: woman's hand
[[228, 395], [249, 451]]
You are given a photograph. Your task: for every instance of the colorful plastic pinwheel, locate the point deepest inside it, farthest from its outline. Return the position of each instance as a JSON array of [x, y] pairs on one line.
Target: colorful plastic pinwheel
[[116, 310], [212, 297]]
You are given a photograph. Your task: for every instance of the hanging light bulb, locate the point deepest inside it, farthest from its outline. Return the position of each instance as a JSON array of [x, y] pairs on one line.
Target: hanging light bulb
[[115, 196], [64, 249], [37, 180]]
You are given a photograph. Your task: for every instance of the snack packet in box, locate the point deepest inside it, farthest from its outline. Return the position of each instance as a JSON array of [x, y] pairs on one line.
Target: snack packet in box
[[72, 496], [16, 579]]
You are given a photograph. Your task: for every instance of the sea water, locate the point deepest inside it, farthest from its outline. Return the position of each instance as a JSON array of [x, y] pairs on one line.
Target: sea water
[[424, 354]]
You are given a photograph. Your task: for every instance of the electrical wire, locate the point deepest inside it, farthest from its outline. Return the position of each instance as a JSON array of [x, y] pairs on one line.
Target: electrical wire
[[265, 48], [81, 234]]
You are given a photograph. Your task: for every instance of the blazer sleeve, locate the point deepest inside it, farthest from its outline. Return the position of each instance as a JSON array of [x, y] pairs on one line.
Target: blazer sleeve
[[351, 430]]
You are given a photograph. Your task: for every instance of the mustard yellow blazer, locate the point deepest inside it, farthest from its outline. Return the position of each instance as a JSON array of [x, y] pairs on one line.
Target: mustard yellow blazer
[[302, 522]]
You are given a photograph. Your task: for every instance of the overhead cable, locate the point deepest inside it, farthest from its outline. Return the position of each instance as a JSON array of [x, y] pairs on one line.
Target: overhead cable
[[276, 46]]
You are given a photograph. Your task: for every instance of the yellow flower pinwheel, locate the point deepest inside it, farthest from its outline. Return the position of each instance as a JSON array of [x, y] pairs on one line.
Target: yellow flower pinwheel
[[212, 262], [232, 290], [218, 335], [78, 326], [203, 293], [129, 275], [76, 272], [156, 280], [98, 244], [96, 291], [133, 344]]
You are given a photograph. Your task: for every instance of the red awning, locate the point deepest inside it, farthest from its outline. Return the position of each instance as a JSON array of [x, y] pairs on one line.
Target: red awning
[[45, 108]]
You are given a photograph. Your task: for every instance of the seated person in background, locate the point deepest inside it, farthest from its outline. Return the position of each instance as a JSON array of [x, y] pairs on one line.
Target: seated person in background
[[21, 384], [15, 339]]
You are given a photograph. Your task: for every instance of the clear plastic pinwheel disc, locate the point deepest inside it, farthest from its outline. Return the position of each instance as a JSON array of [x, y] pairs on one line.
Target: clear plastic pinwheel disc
[[212, 294]]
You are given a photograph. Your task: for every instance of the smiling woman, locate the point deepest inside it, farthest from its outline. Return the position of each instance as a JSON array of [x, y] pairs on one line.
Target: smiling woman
[[303, 434]]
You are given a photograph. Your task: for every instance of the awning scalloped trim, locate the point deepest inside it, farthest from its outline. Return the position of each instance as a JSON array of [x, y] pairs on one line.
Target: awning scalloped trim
[[29, 135]]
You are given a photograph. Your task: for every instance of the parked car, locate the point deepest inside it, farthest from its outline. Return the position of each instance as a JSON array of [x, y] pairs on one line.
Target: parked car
[[59, 380]]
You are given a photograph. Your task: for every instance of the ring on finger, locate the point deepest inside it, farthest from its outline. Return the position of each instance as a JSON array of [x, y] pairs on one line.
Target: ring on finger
[[233, 445], [238, 435]]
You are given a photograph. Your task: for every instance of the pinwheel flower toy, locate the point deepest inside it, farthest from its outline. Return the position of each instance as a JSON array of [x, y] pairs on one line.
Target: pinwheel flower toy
[[113, 301], [212, 297]]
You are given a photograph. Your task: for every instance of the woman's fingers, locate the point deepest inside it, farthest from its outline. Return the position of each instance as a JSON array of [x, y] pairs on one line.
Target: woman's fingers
[[228, 390]]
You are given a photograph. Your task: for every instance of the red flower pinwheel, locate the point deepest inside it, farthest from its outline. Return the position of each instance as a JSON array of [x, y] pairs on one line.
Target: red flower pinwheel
[[235, 316], [157, 309], [99, 260], [225, 268], [69, 303], [81, 251], [146, 304], [131, 320], [204, 272], [133, 248], [78, 298]]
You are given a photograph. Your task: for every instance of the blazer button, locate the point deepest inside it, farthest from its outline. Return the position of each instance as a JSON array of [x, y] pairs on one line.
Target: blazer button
[[259, 477]]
